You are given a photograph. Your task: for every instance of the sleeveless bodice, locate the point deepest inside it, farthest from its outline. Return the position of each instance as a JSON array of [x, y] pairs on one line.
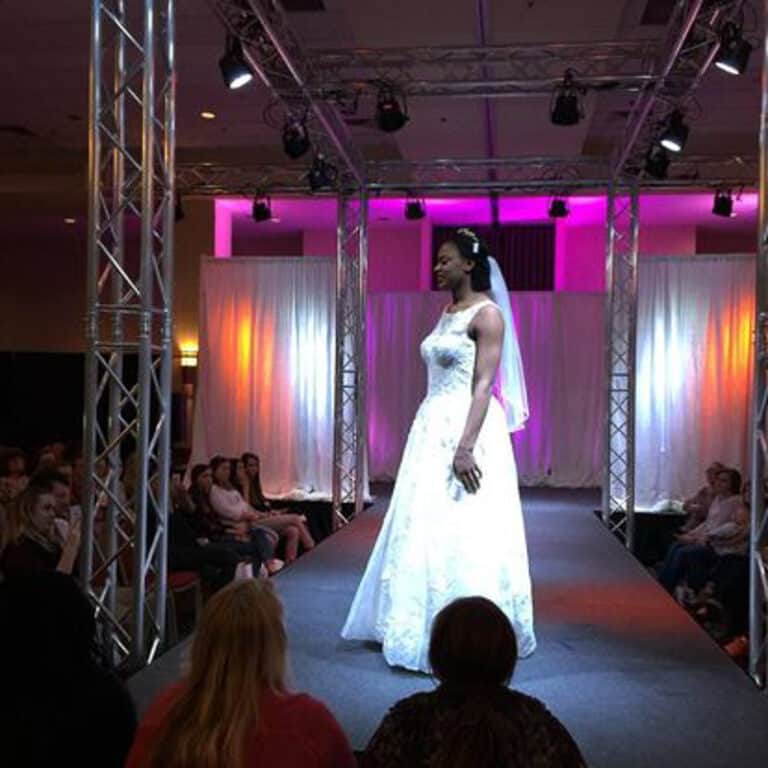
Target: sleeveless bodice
[[449, 353]]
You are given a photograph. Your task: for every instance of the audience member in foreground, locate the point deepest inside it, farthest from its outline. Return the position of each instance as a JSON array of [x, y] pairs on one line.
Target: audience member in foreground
[[233, 707], [472, 720], [61, 707], [697, 506]]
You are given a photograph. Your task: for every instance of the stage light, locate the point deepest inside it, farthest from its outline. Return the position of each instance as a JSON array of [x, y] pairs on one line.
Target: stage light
[[261, 210], [234, 68], [295, 138], [178, 209], [723, 203], [321, 174], [733, 55], [566, 107], [675, 133], [558, 208], [390, 116], [415, 210], [657, 162], [70, 220], [208, 115]]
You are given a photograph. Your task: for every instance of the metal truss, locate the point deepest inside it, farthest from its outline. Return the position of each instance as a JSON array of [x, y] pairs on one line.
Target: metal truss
[[274, 52], [349, 433], [621, 309], [481, 71], [758, 546], [691, 47], [129, 304], [537, 175]]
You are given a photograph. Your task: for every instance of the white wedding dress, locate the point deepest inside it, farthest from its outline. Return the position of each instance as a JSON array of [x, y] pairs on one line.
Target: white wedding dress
[[438, 542]]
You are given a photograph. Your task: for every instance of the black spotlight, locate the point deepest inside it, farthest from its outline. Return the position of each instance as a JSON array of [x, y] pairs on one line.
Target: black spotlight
[[657, 162], [261, 210], [178, 210], [295, 138], [675, 134], [321, 174], [723, 203], [390, 116], [558, 208], [566, 106], [234, 68], [414, 210], [733, 55]]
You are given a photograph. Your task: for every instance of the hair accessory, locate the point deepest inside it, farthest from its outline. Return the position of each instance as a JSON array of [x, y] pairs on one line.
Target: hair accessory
[[472, 236]]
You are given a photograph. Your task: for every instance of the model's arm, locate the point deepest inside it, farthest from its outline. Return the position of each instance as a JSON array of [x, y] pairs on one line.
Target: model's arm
[[487, 330]]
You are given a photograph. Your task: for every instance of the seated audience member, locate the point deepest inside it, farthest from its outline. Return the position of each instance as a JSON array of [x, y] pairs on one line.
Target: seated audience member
[[32, 542], [253, 542], [62, 495], [189, 551], [233, 509], [254, 494], [233, 707], [13, 470], [472, 720], [724, 531], [697, 506], [61, 707]]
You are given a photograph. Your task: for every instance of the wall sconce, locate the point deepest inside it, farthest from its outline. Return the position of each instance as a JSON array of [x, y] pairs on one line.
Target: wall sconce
[[189, 356]]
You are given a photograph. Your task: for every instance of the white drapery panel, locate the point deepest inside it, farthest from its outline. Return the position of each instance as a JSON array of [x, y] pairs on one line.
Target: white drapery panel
[[265, 376], [694, 372], [561, 344]]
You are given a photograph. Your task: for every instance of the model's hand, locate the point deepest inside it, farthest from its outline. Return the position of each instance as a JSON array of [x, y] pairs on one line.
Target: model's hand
[[467, 470]]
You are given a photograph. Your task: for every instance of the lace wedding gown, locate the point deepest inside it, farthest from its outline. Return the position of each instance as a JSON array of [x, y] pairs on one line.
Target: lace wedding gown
[[437, 541]]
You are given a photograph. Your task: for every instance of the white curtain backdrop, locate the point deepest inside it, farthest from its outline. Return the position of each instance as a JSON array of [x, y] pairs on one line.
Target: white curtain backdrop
[[694, 372], [561, 345], [265, 375]]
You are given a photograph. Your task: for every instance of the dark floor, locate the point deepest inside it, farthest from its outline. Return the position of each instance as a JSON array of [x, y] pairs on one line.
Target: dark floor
[[636, 681]]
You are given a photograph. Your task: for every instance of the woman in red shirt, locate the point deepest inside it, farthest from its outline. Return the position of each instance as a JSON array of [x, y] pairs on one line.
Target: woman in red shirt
[[233, 709]]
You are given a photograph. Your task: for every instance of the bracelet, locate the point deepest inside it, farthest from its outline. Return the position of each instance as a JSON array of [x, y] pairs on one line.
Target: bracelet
[[463, 448]]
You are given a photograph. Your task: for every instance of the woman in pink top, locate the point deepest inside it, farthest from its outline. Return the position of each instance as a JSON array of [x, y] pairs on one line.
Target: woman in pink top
[[233, 709], [233, 509]]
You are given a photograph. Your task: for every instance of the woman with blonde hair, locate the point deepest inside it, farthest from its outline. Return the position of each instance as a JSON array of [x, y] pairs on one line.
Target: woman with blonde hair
[[233, 709], [31, 542]]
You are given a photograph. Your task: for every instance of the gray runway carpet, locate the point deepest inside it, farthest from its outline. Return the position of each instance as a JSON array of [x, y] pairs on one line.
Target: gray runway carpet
[[635, 680]]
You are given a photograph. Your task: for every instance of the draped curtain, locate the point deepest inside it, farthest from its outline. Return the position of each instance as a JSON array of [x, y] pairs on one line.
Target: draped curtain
[[265, 376], [694, 372]]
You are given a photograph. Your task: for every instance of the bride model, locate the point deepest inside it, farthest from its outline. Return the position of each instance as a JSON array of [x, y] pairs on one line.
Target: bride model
[[454, 527]]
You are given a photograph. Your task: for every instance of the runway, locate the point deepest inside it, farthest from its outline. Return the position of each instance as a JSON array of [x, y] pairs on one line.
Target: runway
[[634, 679]]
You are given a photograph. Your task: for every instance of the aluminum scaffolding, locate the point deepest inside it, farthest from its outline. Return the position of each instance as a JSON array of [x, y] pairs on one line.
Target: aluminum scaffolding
[[349, 415], [128, 324], [758, 547], [620, 326]]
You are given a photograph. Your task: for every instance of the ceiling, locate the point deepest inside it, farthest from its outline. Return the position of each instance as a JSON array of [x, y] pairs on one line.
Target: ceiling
[[44, 69]]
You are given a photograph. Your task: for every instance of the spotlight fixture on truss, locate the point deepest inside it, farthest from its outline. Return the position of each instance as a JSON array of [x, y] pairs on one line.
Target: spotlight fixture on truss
[[322, 174], [415, 209], [261, 210], [657, 162], [675, 134], [733, 55], [558, 208], [390, 115], [295, 138], [722, 205], [566, 108], [178, 209], [235, 70]]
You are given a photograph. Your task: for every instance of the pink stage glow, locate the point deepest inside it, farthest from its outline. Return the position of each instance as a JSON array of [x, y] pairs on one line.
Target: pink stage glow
[[400, 251]]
